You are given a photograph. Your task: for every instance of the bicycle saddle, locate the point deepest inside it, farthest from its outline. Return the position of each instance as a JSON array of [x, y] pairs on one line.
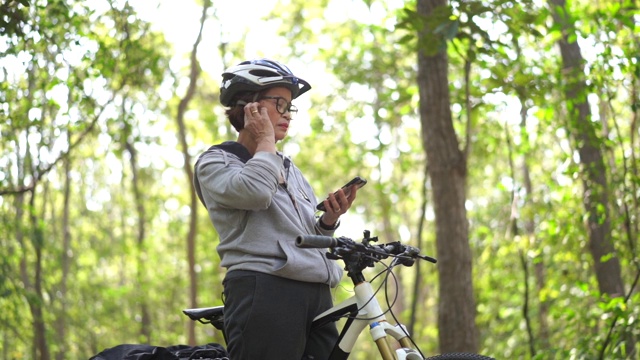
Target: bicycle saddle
[[208, 313]]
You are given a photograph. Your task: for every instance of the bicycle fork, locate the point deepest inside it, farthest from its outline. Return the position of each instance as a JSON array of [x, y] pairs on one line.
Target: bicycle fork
[[379, 328], [379, 332]]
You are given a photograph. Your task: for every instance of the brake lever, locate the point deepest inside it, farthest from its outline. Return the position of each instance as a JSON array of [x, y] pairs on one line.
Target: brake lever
[[428, 258]]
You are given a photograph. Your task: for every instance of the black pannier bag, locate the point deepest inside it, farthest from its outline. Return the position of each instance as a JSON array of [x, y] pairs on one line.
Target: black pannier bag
[[210, 351]]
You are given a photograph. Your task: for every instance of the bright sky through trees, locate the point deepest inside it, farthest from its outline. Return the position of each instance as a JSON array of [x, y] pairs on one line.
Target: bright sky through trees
[[237, 21]]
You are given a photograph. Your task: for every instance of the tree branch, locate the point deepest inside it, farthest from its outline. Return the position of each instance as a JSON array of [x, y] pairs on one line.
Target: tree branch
[[41, 172]]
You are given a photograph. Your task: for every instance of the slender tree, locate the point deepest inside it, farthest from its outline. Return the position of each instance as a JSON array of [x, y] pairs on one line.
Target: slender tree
[[193, 203], [588, 143], [606, 263], [447, 171]]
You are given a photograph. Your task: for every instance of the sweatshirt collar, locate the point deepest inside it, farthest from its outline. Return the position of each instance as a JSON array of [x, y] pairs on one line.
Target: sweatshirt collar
[[236, 149]]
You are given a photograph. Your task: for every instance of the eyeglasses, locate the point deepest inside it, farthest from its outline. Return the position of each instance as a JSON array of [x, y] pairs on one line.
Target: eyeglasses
[[282, 105]]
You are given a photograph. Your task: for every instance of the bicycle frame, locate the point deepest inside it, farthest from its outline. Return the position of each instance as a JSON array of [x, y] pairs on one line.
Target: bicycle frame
[[363, 307], [364, 310]]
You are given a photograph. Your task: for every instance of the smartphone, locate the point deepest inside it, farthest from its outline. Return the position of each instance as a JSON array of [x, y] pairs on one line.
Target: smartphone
[[346, 188]]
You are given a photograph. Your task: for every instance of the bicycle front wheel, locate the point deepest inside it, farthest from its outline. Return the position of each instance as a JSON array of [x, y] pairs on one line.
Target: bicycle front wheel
[[460, 356]]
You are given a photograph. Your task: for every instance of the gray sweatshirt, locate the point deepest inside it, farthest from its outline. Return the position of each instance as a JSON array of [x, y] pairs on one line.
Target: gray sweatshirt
[[259, 205]]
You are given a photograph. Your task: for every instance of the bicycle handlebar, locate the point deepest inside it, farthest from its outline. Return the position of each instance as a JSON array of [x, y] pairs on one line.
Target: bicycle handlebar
[[316, 241], [348, 245]]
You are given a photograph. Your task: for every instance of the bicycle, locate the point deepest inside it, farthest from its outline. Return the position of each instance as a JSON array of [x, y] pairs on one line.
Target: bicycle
[[362, 309]]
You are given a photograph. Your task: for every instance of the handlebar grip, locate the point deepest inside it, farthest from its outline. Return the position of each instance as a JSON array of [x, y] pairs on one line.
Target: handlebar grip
[[315, 241]]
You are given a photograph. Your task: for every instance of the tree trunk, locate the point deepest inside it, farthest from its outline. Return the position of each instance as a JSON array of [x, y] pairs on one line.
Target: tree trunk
[[418, 297], [36, 301], [447, 171], [61, 323], [596, 202], [529, 230], [193, 203], [145, 322], [593, 170]]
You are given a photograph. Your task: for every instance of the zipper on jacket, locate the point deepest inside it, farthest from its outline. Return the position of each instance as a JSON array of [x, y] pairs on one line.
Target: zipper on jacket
[[295, 205]]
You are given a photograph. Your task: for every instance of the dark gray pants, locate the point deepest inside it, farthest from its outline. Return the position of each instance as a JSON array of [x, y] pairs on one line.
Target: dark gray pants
[[269, 317]]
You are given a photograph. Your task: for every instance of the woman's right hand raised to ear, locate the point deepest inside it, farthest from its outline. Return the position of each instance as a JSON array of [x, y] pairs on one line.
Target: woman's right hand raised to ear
[[258, 124]]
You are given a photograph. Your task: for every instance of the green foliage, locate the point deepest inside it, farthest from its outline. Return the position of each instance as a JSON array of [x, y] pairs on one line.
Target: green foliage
[[14, 17], [434, 31]]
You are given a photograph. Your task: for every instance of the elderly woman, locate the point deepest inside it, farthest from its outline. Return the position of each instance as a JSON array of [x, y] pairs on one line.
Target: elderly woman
[[259, 202]]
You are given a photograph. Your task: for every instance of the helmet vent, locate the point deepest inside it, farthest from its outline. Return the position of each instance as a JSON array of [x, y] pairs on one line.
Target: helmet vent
[[263, 73]]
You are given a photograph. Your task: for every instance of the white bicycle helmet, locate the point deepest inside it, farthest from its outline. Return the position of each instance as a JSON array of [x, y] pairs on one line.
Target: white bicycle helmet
[[256, 75]]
